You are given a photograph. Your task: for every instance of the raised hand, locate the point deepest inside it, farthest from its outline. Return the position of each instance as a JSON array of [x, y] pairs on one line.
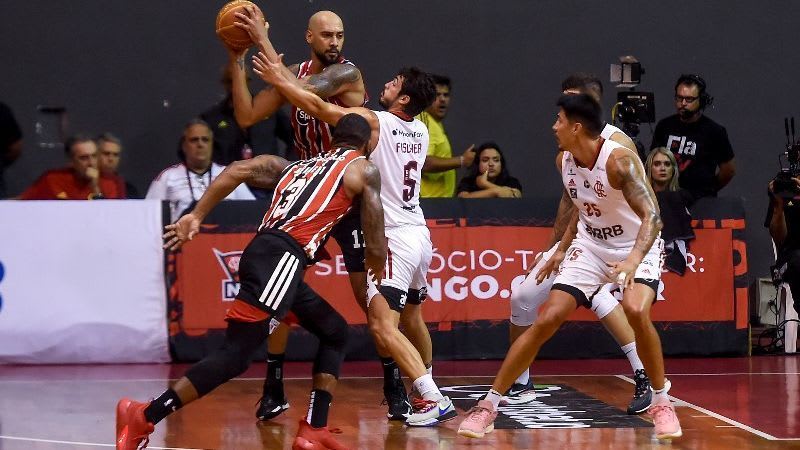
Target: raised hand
[[254, 23], [176, 234], [268, 71]]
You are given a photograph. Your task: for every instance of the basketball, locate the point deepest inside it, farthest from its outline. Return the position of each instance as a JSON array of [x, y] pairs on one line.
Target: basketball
[[232, 36]]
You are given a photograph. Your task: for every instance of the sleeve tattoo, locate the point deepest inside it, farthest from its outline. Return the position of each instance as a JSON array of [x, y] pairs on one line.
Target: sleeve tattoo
[[330, 81]]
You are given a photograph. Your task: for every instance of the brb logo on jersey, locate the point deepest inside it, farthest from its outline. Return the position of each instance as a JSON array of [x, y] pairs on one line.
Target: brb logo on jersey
[[230, 266]]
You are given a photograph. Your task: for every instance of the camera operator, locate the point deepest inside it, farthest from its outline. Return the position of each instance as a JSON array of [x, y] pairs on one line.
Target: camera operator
[[783, 221], [700, 145]]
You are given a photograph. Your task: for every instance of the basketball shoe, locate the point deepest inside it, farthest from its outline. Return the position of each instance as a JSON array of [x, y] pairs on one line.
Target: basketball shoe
[[426, 413], [133, 428], [642, 394], [519, 394], [310, 438], [479, 420], [397, 399], [665, 420], [271, 405]]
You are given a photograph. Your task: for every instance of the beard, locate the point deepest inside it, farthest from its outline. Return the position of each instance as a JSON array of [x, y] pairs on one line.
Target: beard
[[686, 114], [328, 57]]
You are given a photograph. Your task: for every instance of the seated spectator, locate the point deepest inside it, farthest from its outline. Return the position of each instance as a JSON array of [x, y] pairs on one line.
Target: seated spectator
[[783, 222], [109, 148], [674, 204], [184, 183], [80, 181], [488, 176]]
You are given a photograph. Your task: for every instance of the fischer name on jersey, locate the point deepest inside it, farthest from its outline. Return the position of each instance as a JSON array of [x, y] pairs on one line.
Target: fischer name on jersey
[[400, 155], [309, 198], [312, 136], [606, 219]]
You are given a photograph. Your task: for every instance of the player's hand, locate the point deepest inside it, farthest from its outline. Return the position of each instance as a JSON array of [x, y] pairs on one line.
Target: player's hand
[[176, 234], [550, 266], [469, 155], [622, 273], [536, 260], [254, 23], [375, 263], [268, 71]]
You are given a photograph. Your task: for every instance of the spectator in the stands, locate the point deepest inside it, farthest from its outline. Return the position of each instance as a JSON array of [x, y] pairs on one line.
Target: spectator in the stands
[[488, 176], [184, 183], [10, 143], [109, 154], [80, 181], [674, 203]]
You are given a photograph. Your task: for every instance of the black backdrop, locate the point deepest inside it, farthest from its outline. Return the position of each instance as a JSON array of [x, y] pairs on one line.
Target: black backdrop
[[141, 69]]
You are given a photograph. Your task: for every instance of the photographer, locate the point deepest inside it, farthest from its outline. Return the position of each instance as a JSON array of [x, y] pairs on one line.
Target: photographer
[[783, 221], [700, 145]]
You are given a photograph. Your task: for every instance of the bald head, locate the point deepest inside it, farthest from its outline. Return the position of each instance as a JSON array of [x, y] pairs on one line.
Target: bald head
[[325, 19], [325, 35]]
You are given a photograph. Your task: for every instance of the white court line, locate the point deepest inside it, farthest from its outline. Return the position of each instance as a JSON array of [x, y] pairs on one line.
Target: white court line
[[730, 421], [90, 444]]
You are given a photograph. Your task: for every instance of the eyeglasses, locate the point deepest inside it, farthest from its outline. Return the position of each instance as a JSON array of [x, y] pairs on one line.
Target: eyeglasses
[[681, 99], [196, 139]]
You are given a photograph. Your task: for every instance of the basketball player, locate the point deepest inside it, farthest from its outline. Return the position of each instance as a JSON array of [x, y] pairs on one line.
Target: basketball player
[[337, 80], [398, 148], [618, 239], [310, 197], [532, 293]]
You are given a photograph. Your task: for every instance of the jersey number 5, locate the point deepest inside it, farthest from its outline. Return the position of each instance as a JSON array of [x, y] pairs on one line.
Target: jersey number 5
[[410, 184]]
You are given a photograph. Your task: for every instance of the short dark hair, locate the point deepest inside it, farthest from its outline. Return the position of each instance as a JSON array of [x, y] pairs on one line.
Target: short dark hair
[[351, 130], [442, 80], [583, 108], [419, 86], [192, 122], [583, 82], [108, 137], [75, 139]]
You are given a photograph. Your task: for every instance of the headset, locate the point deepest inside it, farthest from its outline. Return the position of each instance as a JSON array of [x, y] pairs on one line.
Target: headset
[[689, 78]]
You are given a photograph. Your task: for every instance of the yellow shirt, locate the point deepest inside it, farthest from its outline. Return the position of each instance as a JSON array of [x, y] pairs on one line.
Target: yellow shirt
[[439, 184]]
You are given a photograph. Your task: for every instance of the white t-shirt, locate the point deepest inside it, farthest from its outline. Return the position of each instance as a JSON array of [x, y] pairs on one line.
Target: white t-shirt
[[400, 155], [182, 187]]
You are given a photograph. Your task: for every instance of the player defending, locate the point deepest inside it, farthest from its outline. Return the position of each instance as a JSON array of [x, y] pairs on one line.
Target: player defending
[[617, 240], [398, 147], [310, 197], [337, 80], [532, 293]]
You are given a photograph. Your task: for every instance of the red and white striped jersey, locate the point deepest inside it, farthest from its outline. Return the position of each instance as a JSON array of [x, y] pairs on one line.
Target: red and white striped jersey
[[309, 199], [312, 136]]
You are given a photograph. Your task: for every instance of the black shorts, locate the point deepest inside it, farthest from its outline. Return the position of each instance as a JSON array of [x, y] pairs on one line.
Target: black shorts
[[350, 238], [271, 273]]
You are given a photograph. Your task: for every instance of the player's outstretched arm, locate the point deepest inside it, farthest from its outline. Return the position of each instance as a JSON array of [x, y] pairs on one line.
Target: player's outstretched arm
[[338, 80], [247, 109], [309, 102], [625, 172], [363, 180]]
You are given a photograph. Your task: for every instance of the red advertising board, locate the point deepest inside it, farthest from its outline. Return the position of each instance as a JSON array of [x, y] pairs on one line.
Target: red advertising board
[[471, 277]]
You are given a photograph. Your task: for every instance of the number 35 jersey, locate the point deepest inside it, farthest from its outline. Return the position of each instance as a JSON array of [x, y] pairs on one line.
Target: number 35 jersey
[[400, 155], [606, 219]]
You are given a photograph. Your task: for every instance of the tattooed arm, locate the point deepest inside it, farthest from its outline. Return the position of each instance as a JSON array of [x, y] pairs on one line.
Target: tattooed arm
[[363, 179], [625, 172], [338, 80]]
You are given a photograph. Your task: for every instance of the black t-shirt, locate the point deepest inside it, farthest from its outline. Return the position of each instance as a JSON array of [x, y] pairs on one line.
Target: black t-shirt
[[9, 131], [791, 213], [467, 184], [699, 147]]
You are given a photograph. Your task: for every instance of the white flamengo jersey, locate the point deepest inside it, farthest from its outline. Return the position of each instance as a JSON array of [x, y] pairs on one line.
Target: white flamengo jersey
[[400, 155], [609, 130], [606, 219]]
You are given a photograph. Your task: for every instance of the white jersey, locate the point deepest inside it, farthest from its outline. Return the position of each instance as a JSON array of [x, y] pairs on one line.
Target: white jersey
[[606, 219], [182, 187], [609, 130], [400, 155]]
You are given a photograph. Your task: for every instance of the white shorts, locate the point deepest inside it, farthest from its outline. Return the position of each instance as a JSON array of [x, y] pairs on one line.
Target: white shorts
[[584, 271], [407, 259], [528, 297]]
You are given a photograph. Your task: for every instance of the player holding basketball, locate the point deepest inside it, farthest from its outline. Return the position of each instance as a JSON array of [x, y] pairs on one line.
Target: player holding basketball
[[617, 239], [398, 147], [533, 291], [337, 80], [311, 196]]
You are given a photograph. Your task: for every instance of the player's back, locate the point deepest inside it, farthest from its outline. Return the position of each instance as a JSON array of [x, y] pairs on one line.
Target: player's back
[[309, 198], [400, 155]]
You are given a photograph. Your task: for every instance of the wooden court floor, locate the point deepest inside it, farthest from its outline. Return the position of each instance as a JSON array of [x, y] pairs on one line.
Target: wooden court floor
[[723, 403]]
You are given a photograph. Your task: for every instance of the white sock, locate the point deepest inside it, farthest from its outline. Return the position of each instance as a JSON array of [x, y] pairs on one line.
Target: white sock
[[429, 369], [494, 397], [427, 388], [633, 357], [663, 393], [525, 377]]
